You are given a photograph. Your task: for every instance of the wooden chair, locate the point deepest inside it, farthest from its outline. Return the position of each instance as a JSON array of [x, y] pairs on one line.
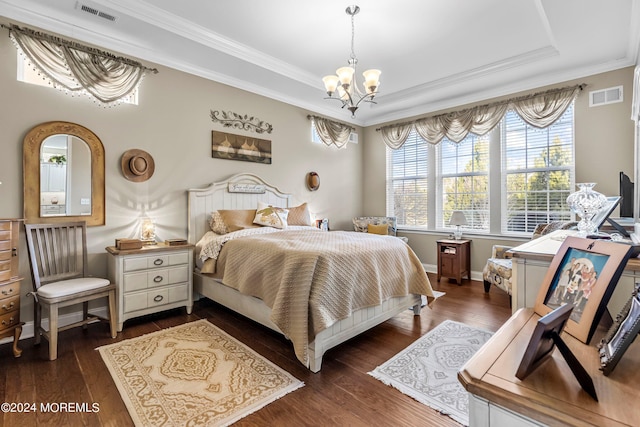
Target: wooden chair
[[58, 258]]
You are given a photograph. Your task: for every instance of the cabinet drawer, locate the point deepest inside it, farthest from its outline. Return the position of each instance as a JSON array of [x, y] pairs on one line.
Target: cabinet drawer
[[5, 234], [5, 225], [155, 278], [155, 297], [5, 245], [9, 304], [5, 255], [10, 290], [155, 261], [10, 319]]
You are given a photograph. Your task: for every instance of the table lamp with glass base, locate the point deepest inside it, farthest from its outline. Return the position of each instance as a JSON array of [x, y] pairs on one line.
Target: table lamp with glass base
[[458, 219]]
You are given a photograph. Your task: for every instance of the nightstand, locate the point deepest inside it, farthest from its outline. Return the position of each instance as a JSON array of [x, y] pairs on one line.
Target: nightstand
[[454, 259], [151, 279]]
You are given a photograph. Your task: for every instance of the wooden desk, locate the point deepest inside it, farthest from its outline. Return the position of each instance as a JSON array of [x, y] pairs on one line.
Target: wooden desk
[[531, 261], [551, 394]]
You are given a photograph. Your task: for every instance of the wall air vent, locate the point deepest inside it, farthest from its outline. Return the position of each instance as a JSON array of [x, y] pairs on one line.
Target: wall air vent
[[96, 12], [610, 95]]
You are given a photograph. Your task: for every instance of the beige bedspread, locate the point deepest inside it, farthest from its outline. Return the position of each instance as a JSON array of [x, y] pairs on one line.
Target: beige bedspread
[[312, 279]]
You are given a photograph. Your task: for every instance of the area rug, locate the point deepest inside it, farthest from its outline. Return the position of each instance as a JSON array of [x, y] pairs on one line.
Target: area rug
[[427, 370], [194, 374]]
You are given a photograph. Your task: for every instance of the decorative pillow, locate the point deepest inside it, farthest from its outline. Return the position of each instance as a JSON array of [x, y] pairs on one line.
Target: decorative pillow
[[378, 229], [271, 216], [236, 219], [299, 215], [217, 223]]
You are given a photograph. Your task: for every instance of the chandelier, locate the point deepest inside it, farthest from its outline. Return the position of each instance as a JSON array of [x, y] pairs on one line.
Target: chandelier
[[345, 81]]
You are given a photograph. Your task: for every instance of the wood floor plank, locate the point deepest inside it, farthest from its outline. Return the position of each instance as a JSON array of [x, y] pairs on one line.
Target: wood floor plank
[[342, 393]]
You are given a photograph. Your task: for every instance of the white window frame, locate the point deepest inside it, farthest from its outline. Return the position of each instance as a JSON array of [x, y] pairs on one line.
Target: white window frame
[[496, 180]]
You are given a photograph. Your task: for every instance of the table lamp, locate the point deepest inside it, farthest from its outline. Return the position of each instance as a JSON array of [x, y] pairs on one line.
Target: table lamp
[[458, 219]]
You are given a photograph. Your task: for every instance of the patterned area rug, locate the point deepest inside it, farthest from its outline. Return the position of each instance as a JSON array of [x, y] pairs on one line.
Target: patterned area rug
[[427, 370], [193, 374]]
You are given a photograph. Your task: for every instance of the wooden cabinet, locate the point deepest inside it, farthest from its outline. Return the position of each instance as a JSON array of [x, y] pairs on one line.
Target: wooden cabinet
[[550, 395], [10, 324], [151, 279], [454, 259]]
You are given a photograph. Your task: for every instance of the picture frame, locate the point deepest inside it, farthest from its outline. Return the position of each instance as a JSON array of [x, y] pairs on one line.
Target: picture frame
[[622, 333], [541, 344], [544, 339], [583, 273]]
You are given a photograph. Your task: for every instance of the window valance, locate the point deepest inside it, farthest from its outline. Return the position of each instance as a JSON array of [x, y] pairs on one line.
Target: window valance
[[331, 132], [77, 68], [539, 110]]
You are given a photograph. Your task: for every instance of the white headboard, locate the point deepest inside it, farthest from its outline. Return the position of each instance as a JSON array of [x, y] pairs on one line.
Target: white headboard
[[241, 191]]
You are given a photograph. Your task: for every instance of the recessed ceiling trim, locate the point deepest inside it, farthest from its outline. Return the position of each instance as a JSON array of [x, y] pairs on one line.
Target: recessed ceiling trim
[[159, 18], [491, 68]]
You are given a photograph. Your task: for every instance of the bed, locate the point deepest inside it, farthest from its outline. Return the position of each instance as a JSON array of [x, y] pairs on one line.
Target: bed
[[304, 307]]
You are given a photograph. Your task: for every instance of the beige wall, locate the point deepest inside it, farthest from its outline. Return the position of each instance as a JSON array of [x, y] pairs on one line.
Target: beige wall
[[172, 123], [604, 147]]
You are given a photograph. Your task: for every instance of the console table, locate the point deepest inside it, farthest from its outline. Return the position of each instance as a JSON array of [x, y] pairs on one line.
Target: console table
[[550, 395], [531, 261]]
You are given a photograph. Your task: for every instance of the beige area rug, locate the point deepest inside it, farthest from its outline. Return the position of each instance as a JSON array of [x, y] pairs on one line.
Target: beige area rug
[[193, 374], [427, 370]]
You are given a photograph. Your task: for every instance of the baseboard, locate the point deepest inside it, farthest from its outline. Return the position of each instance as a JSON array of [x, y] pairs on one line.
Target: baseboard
[[65, 319]]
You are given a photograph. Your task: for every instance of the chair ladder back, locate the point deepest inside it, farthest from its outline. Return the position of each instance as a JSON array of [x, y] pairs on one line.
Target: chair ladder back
[[57, 251]]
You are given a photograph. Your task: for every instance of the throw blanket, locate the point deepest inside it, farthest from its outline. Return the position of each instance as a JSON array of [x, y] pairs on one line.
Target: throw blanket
[[310, 280]]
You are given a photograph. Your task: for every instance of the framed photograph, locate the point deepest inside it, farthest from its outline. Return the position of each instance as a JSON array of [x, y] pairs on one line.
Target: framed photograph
[[583, 274], [541, 344], [622, 333]]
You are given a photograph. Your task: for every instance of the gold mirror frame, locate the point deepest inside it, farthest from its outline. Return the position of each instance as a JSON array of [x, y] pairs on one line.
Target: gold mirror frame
[[31, 172]]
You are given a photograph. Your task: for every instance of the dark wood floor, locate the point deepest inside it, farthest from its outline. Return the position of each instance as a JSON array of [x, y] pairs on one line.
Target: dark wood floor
[[341, 394]]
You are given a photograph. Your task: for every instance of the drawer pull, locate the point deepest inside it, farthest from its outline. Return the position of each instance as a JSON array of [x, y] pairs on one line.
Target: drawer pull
[[157, 279], [7, 291], [158, 298], [11, 319], [14, 251], [4, 307], [159, 261]]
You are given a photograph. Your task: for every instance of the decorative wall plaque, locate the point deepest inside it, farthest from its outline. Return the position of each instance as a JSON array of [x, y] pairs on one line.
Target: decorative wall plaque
[[239, 121]]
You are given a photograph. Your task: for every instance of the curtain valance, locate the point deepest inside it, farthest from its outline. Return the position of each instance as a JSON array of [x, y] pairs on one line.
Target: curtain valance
[[539, 110], [332, 132], [78, 68]]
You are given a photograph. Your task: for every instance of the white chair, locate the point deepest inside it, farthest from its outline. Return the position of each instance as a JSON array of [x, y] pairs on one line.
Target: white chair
[[58, 258]]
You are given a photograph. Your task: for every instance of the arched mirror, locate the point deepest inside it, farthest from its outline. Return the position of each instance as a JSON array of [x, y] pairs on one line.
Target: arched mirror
[[63, 167]]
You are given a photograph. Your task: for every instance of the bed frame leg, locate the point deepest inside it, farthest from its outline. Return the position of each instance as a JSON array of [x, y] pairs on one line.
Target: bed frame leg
[[416, 309], [315, 361]]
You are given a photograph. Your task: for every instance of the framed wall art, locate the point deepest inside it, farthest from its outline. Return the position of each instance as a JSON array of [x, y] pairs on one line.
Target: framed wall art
[[583, 273], [239, 147], [624, 330]]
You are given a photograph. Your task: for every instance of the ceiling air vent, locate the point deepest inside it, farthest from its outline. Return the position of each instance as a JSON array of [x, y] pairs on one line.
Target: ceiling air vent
[[96, 12], [605, 96]]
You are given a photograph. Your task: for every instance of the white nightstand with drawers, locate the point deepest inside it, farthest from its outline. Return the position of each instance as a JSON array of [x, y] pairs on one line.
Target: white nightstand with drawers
[[151, 279]]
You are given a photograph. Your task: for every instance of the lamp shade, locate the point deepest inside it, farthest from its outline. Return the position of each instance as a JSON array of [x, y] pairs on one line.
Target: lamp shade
[[458, 218]]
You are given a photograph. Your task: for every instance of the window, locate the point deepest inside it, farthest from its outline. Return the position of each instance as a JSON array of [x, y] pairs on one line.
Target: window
[[28, 74], [464, 181], [538, 172], [516, 172], [407, 173]]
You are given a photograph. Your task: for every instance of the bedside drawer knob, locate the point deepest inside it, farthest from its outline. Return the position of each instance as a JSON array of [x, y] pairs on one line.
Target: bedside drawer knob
[[11, 319], [157, 279], [7, 291], [4, 306], [158, 262], [158, 298]]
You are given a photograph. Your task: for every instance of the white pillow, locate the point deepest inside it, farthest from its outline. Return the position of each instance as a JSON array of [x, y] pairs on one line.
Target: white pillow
[[271, 216]]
